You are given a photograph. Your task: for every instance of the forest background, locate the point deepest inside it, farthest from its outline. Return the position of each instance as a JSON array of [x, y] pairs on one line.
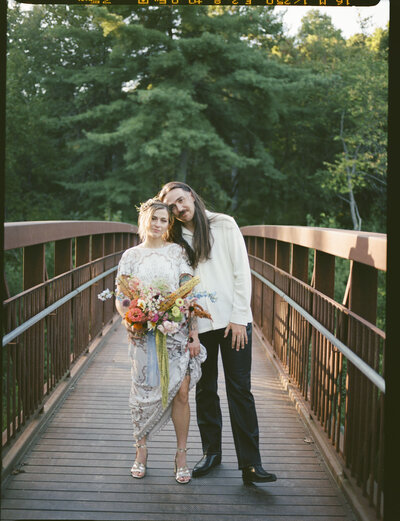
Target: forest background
[[106, 104]]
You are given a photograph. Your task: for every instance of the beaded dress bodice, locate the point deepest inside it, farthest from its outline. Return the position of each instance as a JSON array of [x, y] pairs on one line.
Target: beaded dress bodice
[[149, 264]]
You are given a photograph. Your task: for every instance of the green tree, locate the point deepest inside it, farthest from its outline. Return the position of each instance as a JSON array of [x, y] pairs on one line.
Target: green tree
[[203, 101], [30, 147], [358, 172], [338, 148], [105, 104], [352, 173]]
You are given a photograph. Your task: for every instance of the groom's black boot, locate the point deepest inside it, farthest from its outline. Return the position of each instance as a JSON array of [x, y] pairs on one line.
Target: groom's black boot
[[207, 462], [256, 474]]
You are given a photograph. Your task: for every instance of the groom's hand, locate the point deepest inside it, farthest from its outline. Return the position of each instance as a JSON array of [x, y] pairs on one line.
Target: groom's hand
[[193, 344], [239, 335]]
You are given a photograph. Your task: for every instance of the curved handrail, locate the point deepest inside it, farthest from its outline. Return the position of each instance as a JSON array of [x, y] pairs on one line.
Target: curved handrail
[[22, 234], [365, 247]]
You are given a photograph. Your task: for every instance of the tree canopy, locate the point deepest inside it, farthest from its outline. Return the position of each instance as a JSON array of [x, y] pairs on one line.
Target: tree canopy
[[105, 104]]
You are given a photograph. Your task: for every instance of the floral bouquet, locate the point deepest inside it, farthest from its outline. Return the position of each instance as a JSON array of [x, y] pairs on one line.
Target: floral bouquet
[[157, 311], [155, 306]]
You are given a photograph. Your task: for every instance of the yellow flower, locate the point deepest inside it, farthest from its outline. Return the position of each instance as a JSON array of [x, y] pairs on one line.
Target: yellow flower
[[179, 302], [175, 311], [182, 291]]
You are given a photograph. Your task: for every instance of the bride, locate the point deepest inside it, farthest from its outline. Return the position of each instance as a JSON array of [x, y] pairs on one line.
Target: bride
[[153, 259]]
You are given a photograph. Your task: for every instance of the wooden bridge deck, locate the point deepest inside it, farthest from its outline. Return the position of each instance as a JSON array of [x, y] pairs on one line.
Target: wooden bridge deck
[[79, 468]]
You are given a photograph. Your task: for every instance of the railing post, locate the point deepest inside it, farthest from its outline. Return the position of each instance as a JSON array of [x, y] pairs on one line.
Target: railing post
[[259, 247], [96, 308], [82, 250], [364, 291], [109, 243], [270, 250], [300, 330], [268, 298], [257, 286], [59, 328], [97, 246], [118, 242], [324, 282], [34, 273], [281, 308], [34, 265], [282, 259], [109, 247], [324, 273], [299, 268], [62, 256], [80, 305], [363, 302]]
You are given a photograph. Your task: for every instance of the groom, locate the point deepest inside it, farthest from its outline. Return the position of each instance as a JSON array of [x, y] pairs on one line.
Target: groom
[[218, 254]]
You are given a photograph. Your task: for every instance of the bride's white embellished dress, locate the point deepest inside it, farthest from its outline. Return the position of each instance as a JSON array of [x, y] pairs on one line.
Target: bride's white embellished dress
[[147, 264]]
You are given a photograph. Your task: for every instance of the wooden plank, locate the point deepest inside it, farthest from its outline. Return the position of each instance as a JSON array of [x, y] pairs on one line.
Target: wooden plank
[[79, 469], [104, 480], [168, 498], [142, 488], [140, 516], [172, 507]]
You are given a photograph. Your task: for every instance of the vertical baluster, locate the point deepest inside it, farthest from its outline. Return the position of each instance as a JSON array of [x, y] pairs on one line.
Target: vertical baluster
[[8, 391]]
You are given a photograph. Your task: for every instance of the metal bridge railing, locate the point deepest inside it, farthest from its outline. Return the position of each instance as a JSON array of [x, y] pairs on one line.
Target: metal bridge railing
[[332, 351], [50, 325], [333, 354]]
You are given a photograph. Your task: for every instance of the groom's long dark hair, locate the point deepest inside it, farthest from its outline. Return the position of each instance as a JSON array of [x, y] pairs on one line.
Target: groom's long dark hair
[[202, 240]]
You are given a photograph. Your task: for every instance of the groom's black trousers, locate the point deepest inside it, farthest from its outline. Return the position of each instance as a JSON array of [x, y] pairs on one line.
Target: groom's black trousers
[[242, 411]]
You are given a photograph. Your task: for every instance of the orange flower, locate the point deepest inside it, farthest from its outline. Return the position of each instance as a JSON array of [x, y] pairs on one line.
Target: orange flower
[[138, 326], [135, 315]]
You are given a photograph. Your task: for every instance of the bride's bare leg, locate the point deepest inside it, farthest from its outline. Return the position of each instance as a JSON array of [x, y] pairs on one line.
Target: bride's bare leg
[[141, 453], [181, 419]]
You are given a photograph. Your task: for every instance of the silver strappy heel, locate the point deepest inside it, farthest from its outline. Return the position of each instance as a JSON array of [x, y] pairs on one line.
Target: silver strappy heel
[[138, 469], [182, 474]]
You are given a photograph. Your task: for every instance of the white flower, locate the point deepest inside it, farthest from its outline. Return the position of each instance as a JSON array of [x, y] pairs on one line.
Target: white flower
[[104, 295], [168, 327]]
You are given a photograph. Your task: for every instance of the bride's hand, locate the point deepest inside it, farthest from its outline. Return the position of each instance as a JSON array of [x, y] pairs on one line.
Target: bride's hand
[[193, 344], [133, 335]]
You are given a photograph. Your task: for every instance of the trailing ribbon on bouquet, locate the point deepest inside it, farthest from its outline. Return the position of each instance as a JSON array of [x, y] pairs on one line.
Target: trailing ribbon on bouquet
[[163, 365], [153, 373]]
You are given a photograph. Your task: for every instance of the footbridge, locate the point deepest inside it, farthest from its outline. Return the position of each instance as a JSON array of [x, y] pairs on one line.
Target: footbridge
[[317, 378]]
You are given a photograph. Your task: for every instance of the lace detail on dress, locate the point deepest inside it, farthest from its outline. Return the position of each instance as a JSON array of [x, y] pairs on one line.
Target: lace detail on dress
[[148, 264]]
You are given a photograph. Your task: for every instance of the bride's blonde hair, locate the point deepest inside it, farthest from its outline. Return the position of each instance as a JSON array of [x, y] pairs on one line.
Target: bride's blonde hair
[[146, 212]]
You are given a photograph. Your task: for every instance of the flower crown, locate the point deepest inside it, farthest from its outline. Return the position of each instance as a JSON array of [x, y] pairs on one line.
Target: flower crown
[[149, 203]]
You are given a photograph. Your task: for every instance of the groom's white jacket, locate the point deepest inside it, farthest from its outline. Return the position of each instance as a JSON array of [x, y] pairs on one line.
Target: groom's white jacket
[[227, 273]]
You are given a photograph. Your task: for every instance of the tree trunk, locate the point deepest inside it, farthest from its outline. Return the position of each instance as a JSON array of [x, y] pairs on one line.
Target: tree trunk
[[355, 216]]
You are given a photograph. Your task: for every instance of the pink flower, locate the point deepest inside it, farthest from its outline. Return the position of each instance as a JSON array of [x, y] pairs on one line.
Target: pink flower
[[135, 315], [168, 327]]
